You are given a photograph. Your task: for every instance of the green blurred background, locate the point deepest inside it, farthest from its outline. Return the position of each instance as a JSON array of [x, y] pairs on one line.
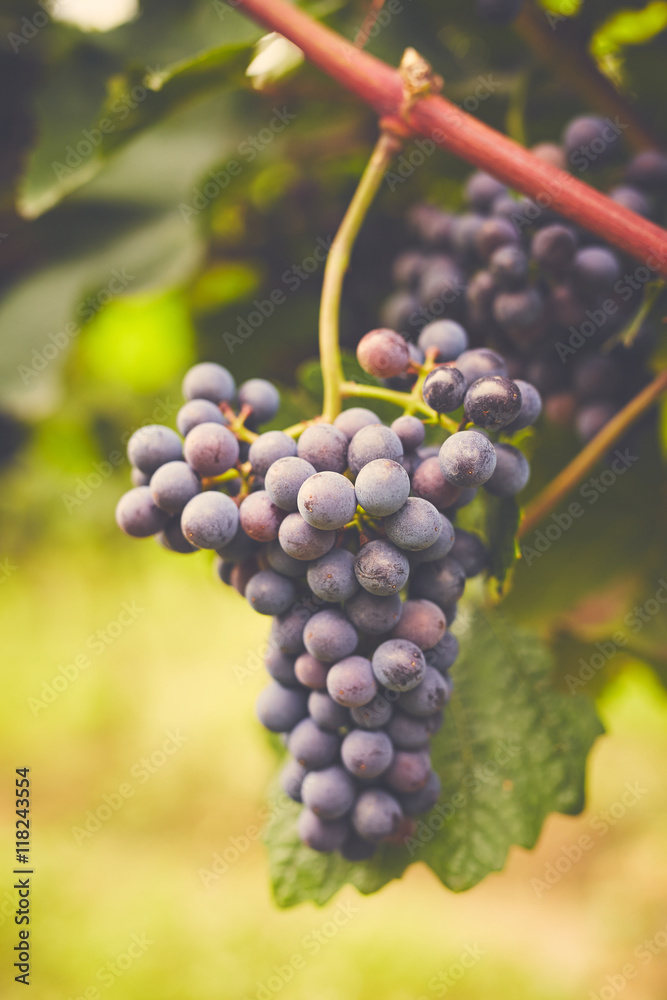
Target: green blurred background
[[164, 707]]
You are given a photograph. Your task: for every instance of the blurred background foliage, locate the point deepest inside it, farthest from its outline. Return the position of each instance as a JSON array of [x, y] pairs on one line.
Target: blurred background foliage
[[150, 198]]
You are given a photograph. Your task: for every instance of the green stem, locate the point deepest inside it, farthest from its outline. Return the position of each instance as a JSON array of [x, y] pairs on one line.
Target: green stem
[[337, 264], [410, 402], [589, 456]]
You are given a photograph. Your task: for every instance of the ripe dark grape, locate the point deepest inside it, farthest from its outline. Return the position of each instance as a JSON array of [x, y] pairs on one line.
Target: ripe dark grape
[[469, 550], [173, 539], [427, 697], [172, 485], [281, 667], [374, 714], [407, 732], [327, 501], [481, 189], [494, 233], [329, 636], [480, 361], [554, 247], [355, 848], [409, 771], [278, 559], [583, 135], [509, 266], [421, 801], [511, 473], [137, 514], [373, 615], [332, 576], [372, 442], [211, 449], [291, 779], [209, 381], [197, 411], [210, 520], [352, 420], [152, 446], [444, 389], [279, 708], [268, 448], [443, 655], [399, 664], [351, 682], [311, 672], [383, 353], [531, 407], [320, 835], [260, 518], [595, 270], [284, 478], [376, 815], [287, 629], [325, 447], [492, 402], [311, 745], [381, 568], [241, 547], [429, 483], [262, 397], [442, 582], [444, 336], [327, 713], [366, 753], [417, 525], [422, 622], [467, 459], [328, 793], [270, 593], [382, 486], [648, 170], [300, 540], [410, 430]]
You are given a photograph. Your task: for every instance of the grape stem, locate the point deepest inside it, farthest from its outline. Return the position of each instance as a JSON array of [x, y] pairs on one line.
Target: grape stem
[[589, 456], [338, 261], [433, 116]]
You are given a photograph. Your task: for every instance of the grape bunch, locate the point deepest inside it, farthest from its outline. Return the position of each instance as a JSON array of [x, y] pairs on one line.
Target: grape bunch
[[552, 298], [346, 537]]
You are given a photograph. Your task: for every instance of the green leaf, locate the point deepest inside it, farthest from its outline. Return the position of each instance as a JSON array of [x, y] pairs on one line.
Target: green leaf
[[512, 750]]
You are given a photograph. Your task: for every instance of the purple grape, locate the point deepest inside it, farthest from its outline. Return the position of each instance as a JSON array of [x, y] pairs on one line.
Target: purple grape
[[260, 518], [417, 525], [372, 442], [320, 835], [410, 430], [312, 746], [422, 623], [373, 615], [467, 458], [329, 793], [197, 411], [329, 636], [332, 576], [351, 682], [383, 353], [262, 397], [268, 448], [327, 501], [325, 447], [284, 479], [210, 520], [381, 568], [444, 389], [327, 713], [211, 449], [172, 485], [366, 753], [511, 473], [269, 593], [153, 446], [279, 709], [427, 697], [399, 664], [209, 381], [352, 420], [301, 541], [376, 815]]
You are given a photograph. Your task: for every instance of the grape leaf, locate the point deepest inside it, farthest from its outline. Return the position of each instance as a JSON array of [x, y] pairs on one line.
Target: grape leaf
[[512, 750]]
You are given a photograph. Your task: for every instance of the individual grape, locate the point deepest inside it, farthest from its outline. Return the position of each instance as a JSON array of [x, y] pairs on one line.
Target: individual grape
[[172, 485], [352, 420], [139, 478], [210, 520], [381, 568], [648, 170], [494, 233], [410, 430], [137, 515], [440, 548], [329, 793], [481, 189], [417, 525], [320, 835], [519, 311], [443, 655], [382, 486], [442, 582], [279, 708], [284, 479], [209, 381], [366, 753], [415, 803], [509, 266], [427, 697], [262, 397], [281, 667], [152, 446], [480, 361], [327, 501], [173, 539], [469, 550], [407, 732], [383, 353], [398, 664], [582, 133], [595, 270], [531, 407], [241, 547], [446, 337], [312, 746], [429, 483], [325, 447], [300, 540], [329, 636], [268, 448], [282, 563], [287, 629], [444, 388], [499, 12], [197, 411], [260, 518], [376, 815], [241, 574], [291, 779], [492, 402], [408, 772], [467, 459], [269, 593], [332, 576], [511, 473], [351, 682], [422, 623], [372, 442], [356, 848], [373, 615], [554, 247], [374, 714], [326, 712], [311, 672], [211, 449]]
